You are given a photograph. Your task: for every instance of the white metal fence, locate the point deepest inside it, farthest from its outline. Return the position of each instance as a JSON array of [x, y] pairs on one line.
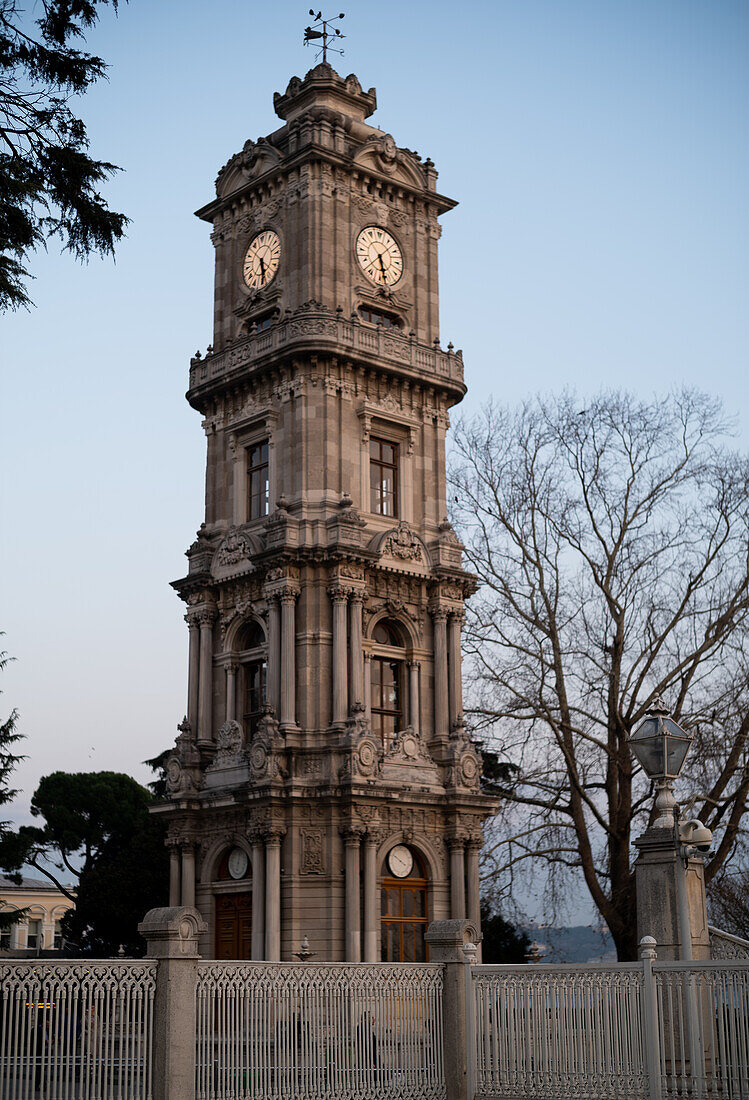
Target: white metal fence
[[270, 1031], [645, 1031], [546, 1031], [76, 1029]]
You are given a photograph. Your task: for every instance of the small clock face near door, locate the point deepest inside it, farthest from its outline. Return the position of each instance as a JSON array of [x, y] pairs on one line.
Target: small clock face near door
[[379, 255], [400, 861], [261, 259], [237, 863]]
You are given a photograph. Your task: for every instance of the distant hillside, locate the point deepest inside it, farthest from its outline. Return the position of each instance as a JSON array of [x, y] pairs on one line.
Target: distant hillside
[[581, 943]]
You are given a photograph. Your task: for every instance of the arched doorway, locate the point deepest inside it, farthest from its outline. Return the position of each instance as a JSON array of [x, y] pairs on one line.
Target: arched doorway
[[233, 906], [404, 912]]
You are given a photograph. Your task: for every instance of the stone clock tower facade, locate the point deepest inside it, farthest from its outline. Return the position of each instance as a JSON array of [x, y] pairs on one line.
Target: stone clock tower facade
[[323, 783]]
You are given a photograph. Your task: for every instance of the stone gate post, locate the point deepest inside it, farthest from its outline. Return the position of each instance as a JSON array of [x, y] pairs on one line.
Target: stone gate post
[[446, 939], [172, 937]]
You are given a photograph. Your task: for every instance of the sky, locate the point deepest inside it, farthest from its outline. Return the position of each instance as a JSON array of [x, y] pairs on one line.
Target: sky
[[599, 152]]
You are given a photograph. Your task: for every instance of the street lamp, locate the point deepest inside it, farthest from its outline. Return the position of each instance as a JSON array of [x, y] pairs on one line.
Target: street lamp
[[661, 746]]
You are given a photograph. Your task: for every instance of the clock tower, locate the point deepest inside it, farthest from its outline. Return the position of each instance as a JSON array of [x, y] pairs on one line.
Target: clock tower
[[323, 783]]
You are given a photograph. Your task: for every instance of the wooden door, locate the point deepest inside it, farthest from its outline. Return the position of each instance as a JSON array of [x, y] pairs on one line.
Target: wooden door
[[233, 926]]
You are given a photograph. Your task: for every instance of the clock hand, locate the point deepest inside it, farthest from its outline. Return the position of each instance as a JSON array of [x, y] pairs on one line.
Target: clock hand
[[262, 269], [382, 267]]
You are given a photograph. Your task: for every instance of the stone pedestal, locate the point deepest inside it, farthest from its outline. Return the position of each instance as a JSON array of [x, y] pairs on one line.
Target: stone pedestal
[[172, 937], [657, 872]]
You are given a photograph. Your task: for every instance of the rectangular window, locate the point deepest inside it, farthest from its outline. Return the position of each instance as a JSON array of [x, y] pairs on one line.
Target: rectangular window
[[254, 695], [383, 477], [58, 936], [5, 938], [387, 713], [259, 486], [33, 935]]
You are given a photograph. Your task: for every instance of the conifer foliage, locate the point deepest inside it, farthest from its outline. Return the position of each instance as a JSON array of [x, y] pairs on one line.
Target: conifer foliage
[[48, 182], [9, 737]]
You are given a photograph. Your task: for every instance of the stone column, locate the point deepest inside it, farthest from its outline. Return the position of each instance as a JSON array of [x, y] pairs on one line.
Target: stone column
[[174, 874], [231, 692], [414, 718], [352, 840], [288, 658], [473, 894], [441, 716], [658, 868], [205, 698], [446, 939], [188, 875], [258, 900], [274, 653], [273, 895], [368, 688], [355, 654], [193, 673], [455, 671], [172, 937], [457, 879], [371, 906], [339, 599]]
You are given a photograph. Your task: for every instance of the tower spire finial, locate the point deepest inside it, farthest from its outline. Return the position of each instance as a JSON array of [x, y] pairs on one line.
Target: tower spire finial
[[323, 29]]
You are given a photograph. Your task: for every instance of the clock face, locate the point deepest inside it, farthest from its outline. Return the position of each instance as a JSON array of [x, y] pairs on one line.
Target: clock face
[[400, 861], [379, 256], [237, 863], [261, 259]]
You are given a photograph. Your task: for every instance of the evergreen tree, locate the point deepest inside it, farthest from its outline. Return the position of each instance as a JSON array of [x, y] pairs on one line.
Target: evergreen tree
[[48, 182], [9, 736]]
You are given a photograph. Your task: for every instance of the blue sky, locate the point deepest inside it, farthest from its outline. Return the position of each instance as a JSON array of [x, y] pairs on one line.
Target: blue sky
[[600, 155]]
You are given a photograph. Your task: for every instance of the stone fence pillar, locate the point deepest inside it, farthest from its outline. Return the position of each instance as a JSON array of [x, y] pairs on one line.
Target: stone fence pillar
[[172, 938], [447, 939]]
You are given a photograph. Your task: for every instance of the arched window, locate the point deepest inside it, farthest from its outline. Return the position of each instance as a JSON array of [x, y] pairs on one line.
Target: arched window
[[252, 681], [387, 681], [403, 907]]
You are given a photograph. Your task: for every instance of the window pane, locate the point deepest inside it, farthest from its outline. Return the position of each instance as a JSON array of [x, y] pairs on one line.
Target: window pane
[[409, 943], [388, 453], [420, 947], [32, 936]]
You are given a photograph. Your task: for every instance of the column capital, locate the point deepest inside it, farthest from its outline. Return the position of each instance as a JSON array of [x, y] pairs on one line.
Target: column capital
[[232, 666], [455, 843], [192, 618], [438, 613], [352, 834], [356, 595], [339, 593], [207, 616], [288, 594], [413, 662], [457, 615], [273, 835]]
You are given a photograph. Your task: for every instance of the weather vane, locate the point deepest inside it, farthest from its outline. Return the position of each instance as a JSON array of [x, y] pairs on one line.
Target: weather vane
[[323, 29]]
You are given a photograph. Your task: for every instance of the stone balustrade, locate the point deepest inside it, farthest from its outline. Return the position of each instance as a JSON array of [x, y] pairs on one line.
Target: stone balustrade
[[319, 329]]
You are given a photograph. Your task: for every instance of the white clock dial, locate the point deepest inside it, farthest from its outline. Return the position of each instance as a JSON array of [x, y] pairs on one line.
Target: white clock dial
[[379, 255], [237, 863], [400, 861], [262, 259]]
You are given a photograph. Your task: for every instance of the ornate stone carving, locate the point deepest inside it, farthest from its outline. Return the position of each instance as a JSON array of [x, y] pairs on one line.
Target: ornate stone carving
[[312, 862], [266, 758], [235, 548], [402, 543], [229, 744]]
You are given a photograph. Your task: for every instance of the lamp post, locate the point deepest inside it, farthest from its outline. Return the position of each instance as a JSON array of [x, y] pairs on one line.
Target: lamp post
[[666, 850], [661, 747]]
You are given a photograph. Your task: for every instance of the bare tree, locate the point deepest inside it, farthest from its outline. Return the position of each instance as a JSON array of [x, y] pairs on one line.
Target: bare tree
[[611, 541]]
